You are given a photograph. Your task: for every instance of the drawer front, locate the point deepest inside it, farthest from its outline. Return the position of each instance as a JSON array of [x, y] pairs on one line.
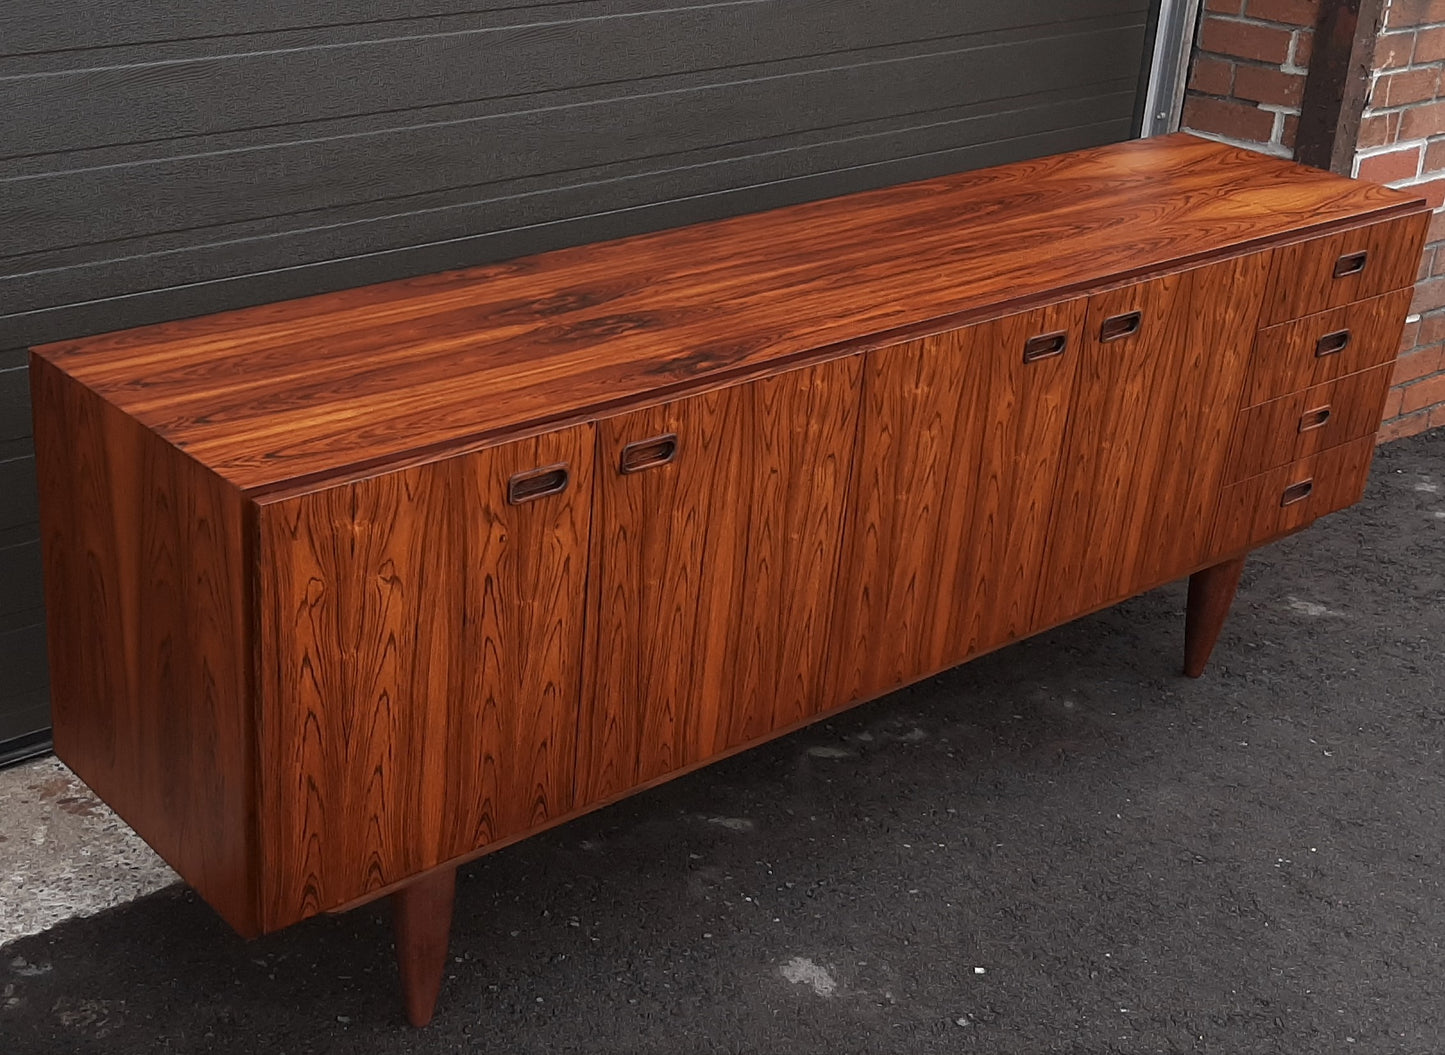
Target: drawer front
[[1295, 426], [1337, 269], [1296, 355], [1285, 499]]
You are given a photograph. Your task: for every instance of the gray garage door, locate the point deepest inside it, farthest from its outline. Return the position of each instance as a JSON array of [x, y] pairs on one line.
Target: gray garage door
[[161, 159]]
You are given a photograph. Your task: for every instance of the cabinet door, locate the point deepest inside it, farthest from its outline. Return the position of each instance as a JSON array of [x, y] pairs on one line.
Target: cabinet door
[[1162, 371], [716, 536], [959, 449], [803, 430], [421, 654]]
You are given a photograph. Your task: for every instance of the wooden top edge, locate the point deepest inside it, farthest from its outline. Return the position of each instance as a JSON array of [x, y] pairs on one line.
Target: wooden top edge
[[593, 330], [281, 490]]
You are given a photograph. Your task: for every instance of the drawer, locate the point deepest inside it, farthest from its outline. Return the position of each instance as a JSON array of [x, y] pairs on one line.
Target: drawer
[[1286, 499], [1295, 426], [1297, 355], [1328, 272]]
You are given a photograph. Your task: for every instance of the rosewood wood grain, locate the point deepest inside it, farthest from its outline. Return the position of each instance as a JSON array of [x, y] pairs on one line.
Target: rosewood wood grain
[[1336, 269], [347, 590], [146, 577], [665, 588], [1296, 426], [1223, 315], [803, 427], [713, 573], [1149, 433], [423, 663], [525, 609], [958, 449], [1122, 397], [422, 923], [1211, 592], [1296, 355], [1283, 500], [282, 396]]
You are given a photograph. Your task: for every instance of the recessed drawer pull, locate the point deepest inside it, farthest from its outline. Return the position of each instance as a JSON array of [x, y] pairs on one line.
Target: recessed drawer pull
[[1332, 343], [537, 483], [1351, 263], [1117, 326], [1313, 419], [648, 454], [1297, 492], [1045, 346]]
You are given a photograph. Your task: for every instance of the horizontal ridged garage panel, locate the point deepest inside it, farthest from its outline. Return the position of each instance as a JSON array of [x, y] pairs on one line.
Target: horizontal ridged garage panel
[[162, 162]]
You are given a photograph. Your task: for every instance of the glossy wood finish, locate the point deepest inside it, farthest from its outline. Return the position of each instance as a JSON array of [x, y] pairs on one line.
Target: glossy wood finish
[[422, 923], [712, 576], [666, 580], [1304, 278], [803, 427], [1295, 355], [349, 590], [1149, 434], [146, 571], [1259, 509], [421, 654], [959, 447], [276, 398], [1295, 426], [1211, 592]]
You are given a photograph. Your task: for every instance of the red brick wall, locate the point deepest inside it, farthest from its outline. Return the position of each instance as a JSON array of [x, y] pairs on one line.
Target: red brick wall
[[1246, 80], [1248, 72], [1402, 143]]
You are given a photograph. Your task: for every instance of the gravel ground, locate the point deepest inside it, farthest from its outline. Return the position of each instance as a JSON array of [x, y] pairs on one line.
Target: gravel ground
[[1062, 847]]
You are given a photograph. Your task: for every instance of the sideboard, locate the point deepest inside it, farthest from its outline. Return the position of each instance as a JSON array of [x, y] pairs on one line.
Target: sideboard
[[346, 590]]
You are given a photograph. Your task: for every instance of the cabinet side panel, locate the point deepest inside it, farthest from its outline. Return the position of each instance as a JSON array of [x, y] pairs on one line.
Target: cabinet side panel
[[146, 579], [361, 608]]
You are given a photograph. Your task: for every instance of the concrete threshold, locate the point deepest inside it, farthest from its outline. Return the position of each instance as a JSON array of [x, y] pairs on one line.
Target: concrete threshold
[[63, 853]]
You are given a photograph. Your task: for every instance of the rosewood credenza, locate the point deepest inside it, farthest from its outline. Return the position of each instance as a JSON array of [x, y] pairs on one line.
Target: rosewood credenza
[[349, 589]]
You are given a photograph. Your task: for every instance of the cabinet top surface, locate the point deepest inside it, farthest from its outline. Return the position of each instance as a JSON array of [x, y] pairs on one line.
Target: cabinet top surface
[[291, 394]]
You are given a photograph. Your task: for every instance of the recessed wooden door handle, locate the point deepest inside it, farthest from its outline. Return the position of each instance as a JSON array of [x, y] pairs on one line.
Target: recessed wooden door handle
[[1313, 419], [1297, 492], [537, 483], [1045, 346], [648, 454], [1352, 263], [1332, 343], [1118, 326]]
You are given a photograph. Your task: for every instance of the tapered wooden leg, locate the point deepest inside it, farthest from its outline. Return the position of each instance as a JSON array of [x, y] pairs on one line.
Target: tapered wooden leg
[[422, 919], [1210, 593]]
